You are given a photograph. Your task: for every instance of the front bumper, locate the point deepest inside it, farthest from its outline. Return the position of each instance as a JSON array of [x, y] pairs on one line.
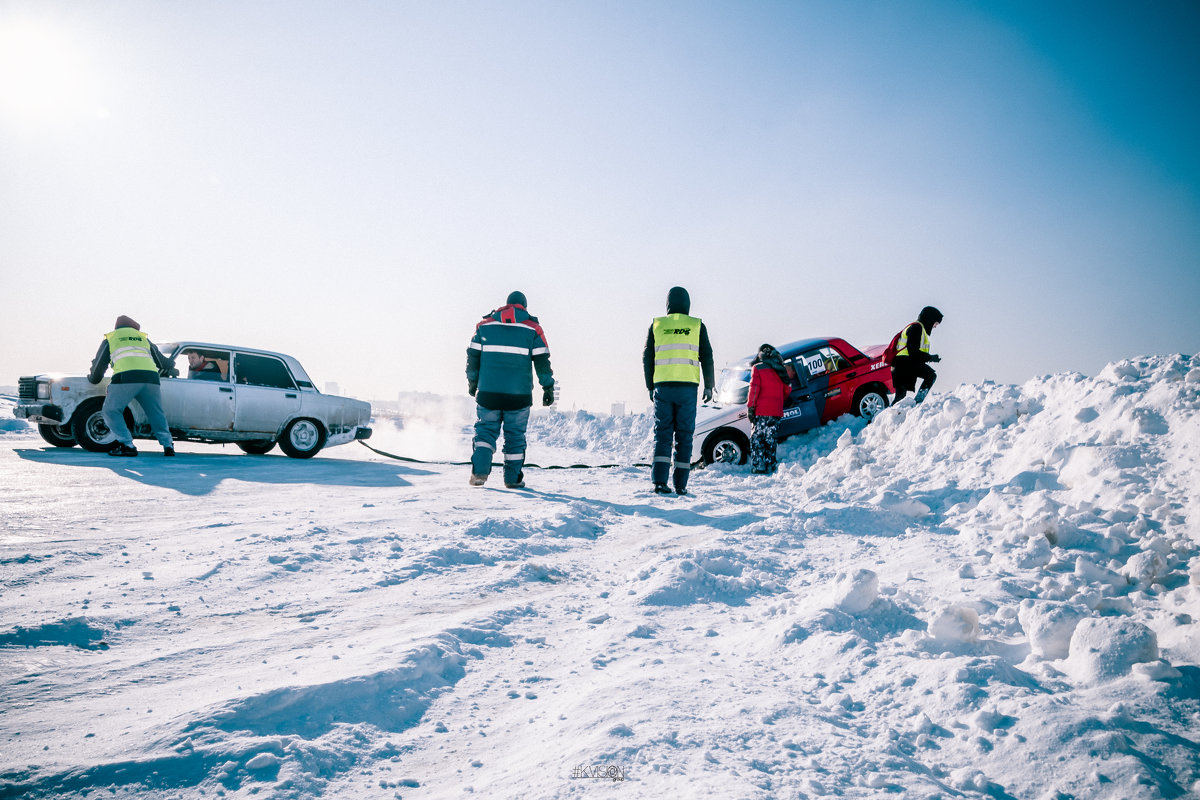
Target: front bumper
[[362, 433], [42, 413]]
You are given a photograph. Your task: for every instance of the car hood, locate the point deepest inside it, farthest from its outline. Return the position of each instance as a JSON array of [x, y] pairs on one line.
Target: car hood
[[709, 417]]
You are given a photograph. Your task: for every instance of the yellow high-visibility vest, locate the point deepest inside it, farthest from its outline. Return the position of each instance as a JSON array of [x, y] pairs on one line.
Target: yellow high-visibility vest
[[129, 349], [902, 345], [677, 348]]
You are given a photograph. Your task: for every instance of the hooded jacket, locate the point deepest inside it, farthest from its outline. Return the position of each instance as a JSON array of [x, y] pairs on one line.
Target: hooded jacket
[[910, 341], [679, 302], [508, 347], [103, 358]]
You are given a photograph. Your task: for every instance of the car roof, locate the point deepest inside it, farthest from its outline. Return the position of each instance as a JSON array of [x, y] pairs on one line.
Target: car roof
[[297, 370], [800, 345], [212, 346]]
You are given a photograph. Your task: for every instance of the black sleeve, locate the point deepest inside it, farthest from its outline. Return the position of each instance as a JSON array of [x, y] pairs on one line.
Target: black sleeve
[[706, 358], [159, 359], [648, 359], [99, 363]]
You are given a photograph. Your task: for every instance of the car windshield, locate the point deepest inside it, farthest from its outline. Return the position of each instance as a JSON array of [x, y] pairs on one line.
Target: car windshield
[[733, 387]]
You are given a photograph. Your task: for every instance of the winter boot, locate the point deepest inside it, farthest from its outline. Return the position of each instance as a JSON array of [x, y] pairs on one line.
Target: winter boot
[[920, 395], [478, 480], [662, 488], [121, 449], [168, 451], [520, 483]]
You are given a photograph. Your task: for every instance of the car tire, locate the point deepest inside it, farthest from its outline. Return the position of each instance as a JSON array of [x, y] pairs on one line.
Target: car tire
[[869, 402], [57, 435], [90, 430], [302, 438], [257, 447], [726, 445]]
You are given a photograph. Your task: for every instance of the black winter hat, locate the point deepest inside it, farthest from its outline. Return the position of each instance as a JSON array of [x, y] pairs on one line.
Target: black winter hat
[[679, 301], [515, 299], [929, 317]]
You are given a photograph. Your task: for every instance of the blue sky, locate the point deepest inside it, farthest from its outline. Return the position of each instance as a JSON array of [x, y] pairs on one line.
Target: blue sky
[[356, 183]]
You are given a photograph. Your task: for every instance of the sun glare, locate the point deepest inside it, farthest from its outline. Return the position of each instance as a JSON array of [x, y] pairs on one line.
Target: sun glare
[[43, 76]]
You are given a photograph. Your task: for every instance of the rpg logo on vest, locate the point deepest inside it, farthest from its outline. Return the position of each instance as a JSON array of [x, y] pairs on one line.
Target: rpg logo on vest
[[677, 349]]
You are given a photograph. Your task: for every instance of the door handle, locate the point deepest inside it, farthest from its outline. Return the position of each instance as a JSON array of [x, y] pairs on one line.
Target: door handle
[[805, 397], [226, 389], [851, 374], [289, 394]]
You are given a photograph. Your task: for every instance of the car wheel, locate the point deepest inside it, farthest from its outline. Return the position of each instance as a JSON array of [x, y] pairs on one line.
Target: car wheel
[[57, 435], [257, 448], [869, 403], [89, 428], [727, 446], [302, 438]]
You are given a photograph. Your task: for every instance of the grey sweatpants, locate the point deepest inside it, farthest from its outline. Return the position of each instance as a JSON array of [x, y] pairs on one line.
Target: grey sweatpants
[[149, 397]]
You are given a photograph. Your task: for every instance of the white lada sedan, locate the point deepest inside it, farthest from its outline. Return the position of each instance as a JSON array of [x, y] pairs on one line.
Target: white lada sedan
[[213, 393]]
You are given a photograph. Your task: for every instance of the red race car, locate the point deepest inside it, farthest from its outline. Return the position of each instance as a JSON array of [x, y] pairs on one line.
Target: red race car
[[829, 378]]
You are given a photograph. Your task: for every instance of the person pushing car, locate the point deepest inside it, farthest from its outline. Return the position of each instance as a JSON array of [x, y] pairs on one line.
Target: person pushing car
[[136, 363]]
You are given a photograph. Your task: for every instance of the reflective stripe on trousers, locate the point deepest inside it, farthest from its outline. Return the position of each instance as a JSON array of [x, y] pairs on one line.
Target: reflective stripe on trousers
[[488, 426], [674, 425]]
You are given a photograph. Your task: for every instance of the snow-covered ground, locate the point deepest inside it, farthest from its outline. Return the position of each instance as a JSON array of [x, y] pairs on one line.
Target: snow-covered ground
[[994, 594]]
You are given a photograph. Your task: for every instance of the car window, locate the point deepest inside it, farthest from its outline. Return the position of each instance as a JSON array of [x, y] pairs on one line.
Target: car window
[[733, 387], [823, 361], [833, 359], [797, 374], [204, 364], [813, 363], [254, 370]]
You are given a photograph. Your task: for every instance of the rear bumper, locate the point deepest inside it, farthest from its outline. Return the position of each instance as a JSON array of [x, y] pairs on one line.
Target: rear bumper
[[42, 413]]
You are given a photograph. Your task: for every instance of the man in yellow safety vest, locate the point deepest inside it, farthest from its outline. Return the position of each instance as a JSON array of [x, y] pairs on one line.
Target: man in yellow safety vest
[[912, 356], [136, 363], [676, 356]]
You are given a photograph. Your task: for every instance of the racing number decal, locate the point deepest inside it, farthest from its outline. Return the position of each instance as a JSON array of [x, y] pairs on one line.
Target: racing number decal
[[815, 364]]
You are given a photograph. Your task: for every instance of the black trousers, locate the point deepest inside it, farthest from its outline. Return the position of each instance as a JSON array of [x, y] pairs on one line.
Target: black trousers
[[906, 371]]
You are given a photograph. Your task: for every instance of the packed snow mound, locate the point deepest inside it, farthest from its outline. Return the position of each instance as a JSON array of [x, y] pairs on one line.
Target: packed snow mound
[[992, 594]]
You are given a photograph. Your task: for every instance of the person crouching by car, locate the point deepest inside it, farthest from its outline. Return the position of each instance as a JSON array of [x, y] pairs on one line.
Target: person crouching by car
[[768, 392], [912, 356], [136, 363], [508, 347]]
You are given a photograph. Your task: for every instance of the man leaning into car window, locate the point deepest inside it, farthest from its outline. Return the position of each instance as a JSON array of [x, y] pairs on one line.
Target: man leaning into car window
[[201, 369], [136, 363]]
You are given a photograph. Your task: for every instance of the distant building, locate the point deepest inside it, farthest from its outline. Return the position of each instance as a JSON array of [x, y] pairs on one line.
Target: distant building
[[618, 409]]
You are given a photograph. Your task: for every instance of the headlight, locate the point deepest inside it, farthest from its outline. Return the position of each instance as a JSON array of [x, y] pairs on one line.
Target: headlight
[[43, 391]]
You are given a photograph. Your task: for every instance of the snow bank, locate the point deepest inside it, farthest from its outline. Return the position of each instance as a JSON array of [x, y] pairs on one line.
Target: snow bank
[[992, 594]]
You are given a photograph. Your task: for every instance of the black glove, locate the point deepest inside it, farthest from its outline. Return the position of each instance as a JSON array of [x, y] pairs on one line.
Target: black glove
[[548, 395], [935, 358], [651, 394], [471, 387], [708, 394], [750, 415]]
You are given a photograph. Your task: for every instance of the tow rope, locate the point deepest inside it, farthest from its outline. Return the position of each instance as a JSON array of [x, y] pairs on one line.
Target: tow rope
[[411, 460]]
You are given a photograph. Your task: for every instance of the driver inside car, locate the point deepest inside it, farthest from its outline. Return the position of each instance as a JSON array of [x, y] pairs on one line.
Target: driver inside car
[[200, 368]]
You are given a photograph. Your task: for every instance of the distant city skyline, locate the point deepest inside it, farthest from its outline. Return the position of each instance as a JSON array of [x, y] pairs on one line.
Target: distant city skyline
[[356, 184]]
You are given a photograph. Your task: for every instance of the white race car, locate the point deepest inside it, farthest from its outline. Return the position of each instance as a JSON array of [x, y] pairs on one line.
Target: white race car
[[253, 398]]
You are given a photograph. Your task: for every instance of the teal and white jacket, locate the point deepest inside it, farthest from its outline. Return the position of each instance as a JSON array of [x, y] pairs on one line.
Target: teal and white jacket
[[508, 347]]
